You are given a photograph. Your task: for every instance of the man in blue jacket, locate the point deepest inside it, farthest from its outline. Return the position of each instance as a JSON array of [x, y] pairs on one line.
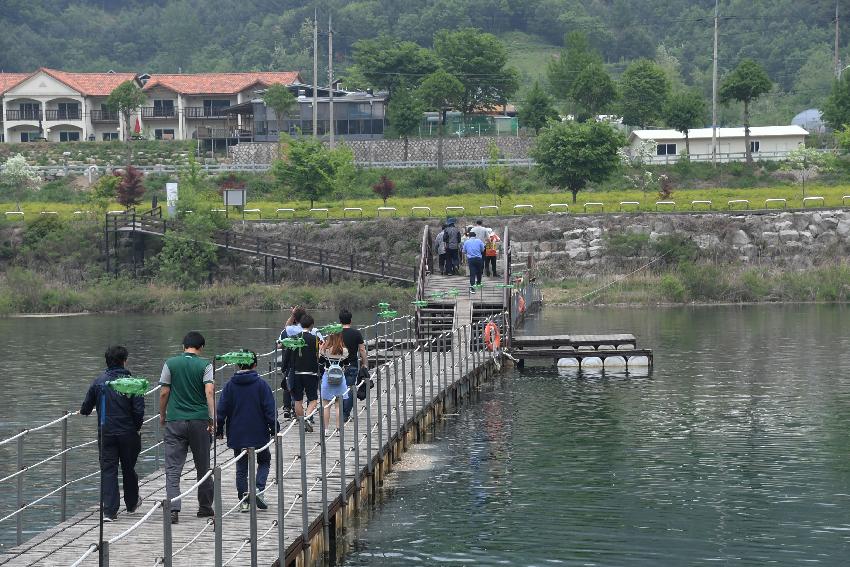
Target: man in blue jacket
[[119, 420], [246, 411]]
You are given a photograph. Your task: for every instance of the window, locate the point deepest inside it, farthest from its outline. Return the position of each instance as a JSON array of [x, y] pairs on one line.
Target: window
[[30, 111], [164, 133], [754, 146], [68, 111], [30, 136], [215, 107], [163, 108], [110, 136], [69, 136], [665, 150]]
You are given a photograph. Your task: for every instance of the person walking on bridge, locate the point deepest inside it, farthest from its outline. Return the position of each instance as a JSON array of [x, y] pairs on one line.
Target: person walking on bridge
[[474, 250], [246, 411], [119, 420], [356, 362], [187, 410], [306, 371], [452, 238]]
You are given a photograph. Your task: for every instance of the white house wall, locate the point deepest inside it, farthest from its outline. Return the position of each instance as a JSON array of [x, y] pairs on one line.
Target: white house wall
[[729, 149]]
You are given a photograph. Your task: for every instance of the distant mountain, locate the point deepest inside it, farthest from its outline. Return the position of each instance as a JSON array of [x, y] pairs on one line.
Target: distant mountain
[[791, 39]]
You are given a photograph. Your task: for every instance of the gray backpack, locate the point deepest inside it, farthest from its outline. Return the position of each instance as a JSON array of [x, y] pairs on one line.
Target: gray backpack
[[336, 375]]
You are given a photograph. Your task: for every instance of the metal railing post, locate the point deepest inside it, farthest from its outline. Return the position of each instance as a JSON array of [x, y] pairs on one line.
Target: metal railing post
[[305, 526], [454, 347], [399, 426], [379, 413], [157, 436], [341, 427], [355, 434], [431, 370], [19, 519], [166, 532], [445, 370], [219, 525], [323, 451], [439, 340], [278, 473], [252, 491], [389, 410], [404, 391], [369, 423], [422, 363], [63, 471]]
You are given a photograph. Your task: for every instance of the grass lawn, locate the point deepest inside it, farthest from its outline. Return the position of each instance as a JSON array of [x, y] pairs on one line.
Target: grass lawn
[[471, 203]]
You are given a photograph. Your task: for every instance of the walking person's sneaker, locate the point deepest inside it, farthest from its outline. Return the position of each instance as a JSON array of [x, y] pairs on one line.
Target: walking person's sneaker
[[261, 504], [308, 427], [175, 517], [206, 513], [245, 506], [135, 508], [107, 519]]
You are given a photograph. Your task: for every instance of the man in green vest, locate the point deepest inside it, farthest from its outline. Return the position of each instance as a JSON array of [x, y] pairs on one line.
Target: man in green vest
[[187, 411]]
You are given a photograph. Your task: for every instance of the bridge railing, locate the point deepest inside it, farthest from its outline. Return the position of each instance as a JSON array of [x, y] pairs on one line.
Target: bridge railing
[[320, 256], [397, 391]]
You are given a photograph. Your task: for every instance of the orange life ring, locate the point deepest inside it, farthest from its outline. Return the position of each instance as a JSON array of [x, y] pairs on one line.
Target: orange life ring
[[521, 304], [492, 336]]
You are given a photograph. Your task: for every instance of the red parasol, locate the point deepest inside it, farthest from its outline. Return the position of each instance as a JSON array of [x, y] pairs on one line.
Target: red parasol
[[138, 127]]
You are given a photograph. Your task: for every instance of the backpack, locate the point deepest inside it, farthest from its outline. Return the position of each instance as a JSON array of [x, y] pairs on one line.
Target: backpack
[[335, 373]]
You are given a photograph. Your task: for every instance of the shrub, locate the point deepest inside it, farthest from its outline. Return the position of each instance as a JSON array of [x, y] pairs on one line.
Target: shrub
[[626, 244], [672, 288], [675, 249], [703, 281], [755, 285], [40, 228]]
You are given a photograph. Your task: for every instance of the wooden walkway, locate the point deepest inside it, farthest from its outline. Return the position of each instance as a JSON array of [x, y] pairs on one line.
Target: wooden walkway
[[426, 373], [488, 294]]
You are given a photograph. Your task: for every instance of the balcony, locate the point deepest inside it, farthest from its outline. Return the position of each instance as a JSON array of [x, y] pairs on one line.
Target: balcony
[[53, 115], [104, 116], [23, 115], [204, 112], [157, 112]]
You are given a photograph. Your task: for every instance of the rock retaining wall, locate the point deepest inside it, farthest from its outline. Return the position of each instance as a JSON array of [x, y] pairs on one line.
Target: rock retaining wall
[[378, 151]]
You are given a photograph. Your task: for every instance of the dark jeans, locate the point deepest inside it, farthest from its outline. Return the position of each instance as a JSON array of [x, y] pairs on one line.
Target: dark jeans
[[442, 258], [264, 459], [476, 268], [350, 380], [124, 449], [452, 261], [180, 436], [287, 397], [490, 265]]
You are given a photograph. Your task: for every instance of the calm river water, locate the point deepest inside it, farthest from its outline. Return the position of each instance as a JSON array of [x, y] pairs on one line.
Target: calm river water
[[734, 451]]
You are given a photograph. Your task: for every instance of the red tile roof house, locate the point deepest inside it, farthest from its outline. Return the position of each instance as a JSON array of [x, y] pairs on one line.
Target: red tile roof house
[[66, 106], [185, 107], [58, 105]]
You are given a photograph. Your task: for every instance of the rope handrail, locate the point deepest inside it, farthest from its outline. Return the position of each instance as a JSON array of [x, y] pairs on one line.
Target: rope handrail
[[192, 488], [38, 428], [47, 460], [91, 549], [156, 506]]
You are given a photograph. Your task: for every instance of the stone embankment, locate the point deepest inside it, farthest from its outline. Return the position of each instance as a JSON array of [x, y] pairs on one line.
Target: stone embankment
[[568, 245], [788, 239]]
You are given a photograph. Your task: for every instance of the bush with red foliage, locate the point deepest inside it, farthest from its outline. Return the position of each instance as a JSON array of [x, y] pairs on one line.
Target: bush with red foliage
[[132, 188], [385, 188]]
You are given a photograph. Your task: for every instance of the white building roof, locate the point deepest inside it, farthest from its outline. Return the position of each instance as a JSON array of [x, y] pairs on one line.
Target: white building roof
[[705, 133]]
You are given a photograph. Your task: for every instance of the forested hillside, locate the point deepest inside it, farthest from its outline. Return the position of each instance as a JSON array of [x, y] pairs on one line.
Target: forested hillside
[[790, 38]]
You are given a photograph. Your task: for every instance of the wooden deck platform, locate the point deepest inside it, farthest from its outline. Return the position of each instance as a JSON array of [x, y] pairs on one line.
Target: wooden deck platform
[[555, 341], [488, 294], [193, 543]]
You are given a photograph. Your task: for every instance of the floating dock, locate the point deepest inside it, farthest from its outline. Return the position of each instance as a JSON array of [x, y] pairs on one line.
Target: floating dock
[[582, 351]]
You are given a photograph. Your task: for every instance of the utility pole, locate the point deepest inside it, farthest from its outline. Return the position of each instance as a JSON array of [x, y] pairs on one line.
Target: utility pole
[[837, 59], [331, 80], [316, 73], [714, 90]]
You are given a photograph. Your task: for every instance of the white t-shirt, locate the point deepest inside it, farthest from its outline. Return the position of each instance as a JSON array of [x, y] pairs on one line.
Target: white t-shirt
[[482, 232]]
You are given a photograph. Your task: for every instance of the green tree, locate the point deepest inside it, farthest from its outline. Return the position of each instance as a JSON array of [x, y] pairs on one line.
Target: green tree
[[574, 58], [685, 110], [593, 91], [404, 114], [311, 170], [842, 138], [746, 83], [644, 88], [537, 109], [836, 108], [281, 100], [188, 254], [125, 99], [479, 61], [385, 61], [497, 176], [570, 155], [19, 177], [439, 92]]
